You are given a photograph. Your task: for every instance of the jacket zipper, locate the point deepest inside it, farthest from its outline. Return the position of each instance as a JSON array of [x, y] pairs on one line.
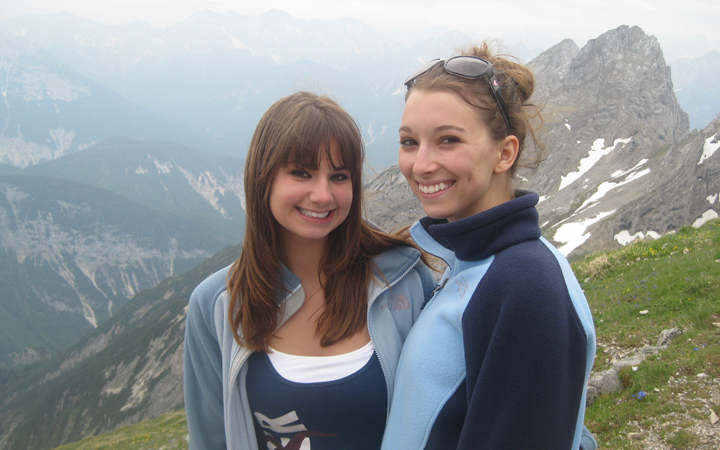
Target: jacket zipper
[[370, 303], [234, 373]]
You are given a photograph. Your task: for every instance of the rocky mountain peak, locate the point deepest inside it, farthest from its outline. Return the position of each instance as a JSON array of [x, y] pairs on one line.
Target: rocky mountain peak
[[620, 77], [553, 65]]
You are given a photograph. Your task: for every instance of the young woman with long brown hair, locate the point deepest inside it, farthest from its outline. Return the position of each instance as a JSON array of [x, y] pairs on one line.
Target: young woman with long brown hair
[[500, 356], [298, 341]]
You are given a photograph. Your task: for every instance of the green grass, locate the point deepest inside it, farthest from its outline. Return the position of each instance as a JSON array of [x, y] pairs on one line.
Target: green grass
[[167, 432], [677, 288], [675, 282]]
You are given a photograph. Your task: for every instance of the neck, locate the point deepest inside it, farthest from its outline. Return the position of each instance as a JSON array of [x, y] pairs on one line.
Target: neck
[[303, 258]]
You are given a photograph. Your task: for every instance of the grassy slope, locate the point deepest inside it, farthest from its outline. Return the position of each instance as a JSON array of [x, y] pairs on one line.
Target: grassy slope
[[676, 282], [164, 433], [677, 287]]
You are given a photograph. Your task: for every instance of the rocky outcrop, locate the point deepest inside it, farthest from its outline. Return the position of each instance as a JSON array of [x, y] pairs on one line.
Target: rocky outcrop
[[608, 381], [389, 202]]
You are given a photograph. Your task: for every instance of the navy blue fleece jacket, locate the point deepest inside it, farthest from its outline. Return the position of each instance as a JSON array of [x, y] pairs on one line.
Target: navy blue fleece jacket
[[500, 357]]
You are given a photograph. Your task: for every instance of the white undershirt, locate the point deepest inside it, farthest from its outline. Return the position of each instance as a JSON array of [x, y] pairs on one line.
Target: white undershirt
[[317, 369]]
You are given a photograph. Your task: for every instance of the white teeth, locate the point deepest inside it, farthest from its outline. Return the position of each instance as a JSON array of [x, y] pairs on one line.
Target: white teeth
[[313, 214], [434, 188]]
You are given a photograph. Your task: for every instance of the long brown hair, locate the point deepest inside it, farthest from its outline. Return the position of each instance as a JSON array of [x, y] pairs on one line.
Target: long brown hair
[[517, 84], [301, 129]]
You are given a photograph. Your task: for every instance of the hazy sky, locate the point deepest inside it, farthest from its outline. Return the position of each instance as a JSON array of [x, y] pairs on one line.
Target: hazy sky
[[689, 24]]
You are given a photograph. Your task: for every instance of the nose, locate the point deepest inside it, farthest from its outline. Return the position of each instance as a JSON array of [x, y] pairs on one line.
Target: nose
[[321, 192], [424, 161]]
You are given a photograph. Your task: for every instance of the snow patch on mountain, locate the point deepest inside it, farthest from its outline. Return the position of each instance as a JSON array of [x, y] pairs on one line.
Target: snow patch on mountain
[[711, 198], [597, 151], [573, 234], [624, 237], [707, 216], [711, 145], [620, 173], [607, 186]]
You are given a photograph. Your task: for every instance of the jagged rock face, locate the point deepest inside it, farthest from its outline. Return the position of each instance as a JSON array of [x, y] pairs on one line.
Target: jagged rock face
[[612, 129], [616, 87], [389, 201], [684, 192], [620, 163]]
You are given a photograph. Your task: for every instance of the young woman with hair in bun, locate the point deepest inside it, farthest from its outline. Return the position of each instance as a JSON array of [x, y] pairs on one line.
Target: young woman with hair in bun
[[295, 345], [500, 356]]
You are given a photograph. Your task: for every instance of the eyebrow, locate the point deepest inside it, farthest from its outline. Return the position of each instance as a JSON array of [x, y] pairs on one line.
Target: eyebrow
[[441, 128]]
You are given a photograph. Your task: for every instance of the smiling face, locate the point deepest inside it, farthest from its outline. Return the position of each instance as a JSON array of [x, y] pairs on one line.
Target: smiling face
[[449, 159], [310, 203]]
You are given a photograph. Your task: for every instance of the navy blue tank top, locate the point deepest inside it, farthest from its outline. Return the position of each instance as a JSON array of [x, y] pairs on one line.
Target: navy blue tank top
[[345, 414]]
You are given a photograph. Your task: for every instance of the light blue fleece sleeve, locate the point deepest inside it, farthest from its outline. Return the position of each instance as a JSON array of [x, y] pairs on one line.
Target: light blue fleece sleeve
[[203, 373]]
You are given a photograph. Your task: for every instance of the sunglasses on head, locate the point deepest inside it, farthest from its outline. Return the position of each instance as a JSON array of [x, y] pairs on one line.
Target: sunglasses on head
[[468, 67]]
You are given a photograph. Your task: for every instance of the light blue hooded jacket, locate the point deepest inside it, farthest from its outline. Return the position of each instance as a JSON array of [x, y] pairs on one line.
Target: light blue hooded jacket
[[218, 414]]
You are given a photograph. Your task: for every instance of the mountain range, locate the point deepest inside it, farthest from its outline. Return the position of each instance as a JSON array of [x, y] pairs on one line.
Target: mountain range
[[49, 110], [83, 234], [210, 78]]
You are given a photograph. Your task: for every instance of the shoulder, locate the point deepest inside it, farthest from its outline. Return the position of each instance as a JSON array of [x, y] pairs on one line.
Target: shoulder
[[526, 282], [403, 269], [205, 295], [530, 265], [395, 262]]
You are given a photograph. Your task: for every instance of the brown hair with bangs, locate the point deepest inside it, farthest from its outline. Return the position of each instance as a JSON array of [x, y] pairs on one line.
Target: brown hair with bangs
[[301, 129], [517, 84]]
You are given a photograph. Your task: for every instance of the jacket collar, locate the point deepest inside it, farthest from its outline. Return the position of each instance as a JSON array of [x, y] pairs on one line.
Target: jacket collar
[[388, 266], [482, 235]]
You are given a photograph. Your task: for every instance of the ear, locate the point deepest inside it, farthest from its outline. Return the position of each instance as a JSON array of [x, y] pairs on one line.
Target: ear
[[508, 148]]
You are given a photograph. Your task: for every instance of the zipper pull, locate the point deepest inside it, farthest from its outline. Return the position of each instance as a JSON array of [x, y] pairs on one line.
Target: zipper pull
[[437, 289]]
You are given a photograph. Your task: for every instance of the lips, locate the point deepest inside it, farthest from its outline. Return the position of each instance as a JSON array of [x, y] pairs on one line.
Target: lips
[[433, 188], [313, 214]]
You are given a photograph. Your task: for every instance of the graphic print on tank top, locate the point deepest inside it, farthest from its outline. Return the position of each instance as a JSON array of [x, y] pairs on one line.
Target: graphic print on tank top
[[348, 413]]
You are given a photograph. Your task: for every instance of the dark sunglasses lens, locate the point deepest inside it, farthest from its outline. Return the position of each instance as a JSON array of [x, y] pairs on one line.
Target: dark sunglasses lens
[[424, 68], [467, 67]]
